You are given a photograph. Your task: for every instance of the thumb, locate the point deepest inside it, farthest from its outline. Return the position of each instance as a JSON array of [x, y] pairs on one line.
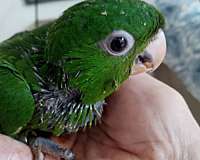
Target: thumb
[[13, 150]]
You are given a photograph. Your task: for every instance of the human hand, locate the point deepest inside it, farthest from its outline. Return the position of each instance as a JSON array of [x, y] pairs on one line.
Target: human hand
[[145, 119], [13, 150]]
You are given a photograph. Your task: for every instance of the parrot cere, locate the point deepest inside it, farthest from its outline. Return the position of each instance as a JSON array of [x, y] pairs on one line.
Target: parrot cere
[[55, 78]]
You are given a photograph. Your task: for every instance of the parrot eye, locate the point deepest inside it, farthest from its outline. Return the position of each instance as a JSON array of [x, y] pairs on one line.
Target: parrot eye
[[118, 43]]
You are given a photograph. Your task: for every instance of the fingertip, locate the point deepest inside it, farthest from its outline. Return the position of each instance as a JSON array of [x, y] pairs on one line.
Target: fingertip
[[11, 149]]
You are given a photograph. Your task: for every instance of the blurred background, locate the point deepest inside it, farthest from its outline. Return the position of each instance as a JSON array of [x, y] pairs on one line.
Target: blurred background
[[18, 15], [181, 68]]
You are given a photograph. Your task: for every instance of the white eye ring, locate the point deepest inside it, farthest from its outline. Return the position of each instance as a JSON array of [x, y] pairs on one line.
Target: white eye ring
[[124, 38]]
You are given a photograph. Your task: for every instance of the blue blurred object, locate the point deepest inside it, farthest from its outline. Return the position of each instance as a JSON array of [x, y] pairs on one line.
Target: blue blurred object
[[183, 37]]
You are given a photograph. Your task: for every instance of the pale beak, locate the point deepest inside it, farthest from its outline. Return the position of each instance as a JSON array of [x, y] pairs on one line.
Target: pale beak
[[152, 57]]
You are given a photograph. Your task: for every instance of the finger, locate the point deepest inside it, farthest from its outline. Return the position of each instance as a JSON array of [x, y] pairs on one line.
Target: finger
[[13, 150]]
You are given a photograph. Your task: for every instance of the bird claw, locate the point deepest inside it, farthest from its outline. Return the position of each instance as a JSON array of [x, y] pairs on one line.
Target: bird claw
[[69, 155], [42, 145]]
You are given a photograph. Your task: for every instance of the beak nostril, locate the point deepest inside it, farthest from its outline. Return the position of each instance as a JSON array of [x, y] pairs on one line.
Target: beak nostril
[[146, 57], [152, 57], [143, 63], [141, 59]]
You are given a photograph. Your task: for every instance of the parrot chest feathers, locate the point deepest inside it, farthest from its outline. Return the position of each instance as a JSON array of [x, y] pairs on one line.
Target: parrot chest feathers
[[59, 111]]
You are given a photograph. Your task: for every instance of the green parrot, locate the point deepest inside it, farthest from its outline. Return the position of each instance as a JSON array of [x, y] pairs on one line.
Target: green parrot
[[55, 78]]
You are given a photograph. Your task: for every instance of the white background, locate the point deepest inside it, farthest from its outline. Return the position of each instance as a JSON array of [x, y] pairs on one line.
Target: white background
[[16, 16]]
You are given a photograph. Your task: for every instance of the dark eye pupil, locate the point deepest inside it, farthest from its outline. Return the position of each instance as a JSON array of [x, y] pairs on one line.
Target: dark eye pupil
[[118, 44]]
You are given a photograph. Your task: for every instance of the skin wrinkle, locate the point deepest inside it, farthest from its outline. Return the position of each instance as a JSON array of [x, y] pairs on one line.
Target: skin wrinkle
[[168, 139], [115, 141], [84, 149], [82, 140], [74, 143], [116, 148], [151, 144], [114, 144], [108, 140], [88, 136], [162, 131]]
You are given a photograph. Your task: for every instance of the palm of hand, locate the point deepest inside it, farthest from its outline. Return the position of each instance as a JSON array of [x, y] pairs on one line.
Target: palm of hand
[[138, 124]]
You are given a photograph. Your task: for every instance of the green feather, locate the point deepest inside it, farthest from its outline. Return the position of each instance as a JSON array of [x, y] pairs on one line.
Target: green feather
[[16, 102]]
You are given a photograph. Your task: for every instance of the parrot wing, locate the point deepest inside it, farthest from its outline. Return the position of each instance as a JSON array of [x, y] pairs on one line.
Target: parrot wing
[[16, 101]]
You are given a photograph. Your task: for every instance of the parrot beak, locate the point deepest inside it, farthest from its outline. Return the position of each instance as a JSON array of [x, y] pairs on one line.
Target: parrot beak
[[152, 57]]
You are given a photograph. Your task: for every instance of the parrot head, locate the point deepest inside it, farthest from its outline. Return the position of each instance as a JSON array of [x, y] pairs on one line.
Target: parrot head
[[99, 42]]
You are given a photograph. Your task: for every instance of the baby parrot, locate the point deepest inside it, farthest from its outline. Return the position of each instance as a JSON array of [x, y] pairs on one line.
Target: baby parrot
[[55, 78]]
